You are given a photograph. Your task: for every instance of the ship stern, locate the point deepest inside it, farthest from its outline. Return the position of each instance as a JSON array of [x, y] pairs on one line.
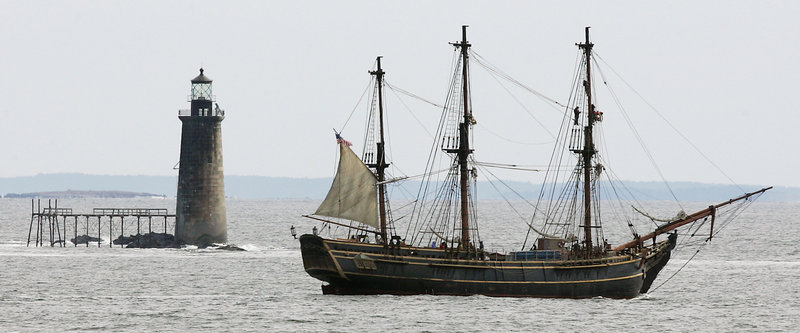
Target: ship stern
[[317, 259]]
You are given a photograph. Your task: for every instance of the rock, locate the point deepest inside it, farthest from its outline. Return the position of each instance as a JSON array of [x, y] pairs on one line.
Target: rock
[[151, 240], [227, 247], [122, 240], [160, 240], [83, 239]]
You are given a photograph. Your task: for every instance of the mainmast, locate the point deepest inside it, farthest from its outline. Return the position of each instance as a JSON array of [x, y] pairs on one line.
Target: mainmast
[[380, 164], [588, 146], [463, 133]]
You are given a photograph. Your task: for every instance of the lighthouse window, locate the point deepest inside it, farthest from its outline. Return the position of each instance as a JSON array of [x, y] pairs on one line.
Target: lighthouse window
[[201, 91]]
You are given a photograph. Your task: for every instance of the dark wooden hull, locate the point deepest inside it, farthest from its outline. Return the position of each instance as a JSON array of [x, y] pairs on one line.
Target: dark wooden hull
[[358, 268]]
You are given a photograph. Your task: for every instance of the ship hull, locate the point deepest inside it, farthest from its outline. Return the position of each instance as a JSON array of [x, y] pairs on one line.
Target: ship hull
[[359, 268]]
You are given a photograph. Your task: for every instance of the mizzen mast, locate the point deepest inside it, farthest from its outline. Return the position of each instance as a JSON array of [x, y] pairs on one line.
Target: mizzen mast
[[463, 147], [380, 163], [588, 150]]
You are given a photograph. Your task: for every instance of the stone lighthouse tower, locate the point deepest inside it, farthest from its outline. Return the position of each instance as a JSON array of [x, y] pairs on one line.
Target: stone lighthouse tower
[[200, 208]]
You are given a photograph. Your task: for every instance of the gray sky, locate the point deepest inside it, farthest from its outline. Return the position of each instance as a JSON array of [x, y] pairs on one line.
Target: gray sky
[[94, 87]]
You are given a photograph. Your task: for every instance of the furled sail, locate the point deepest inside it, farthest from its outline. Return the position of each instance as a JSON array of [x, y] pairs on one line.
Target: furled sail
[[353, 195]]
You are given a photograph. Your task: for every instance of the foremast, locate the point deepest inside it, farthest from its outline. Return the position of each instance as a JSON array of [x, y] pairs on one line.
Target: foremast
[[380, 164], [463, 132], [588, 151]]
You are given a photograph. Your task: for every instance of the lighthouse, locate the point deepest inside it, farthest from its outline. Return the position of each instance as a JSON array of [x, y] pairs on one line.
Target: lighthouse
[[200, 211]]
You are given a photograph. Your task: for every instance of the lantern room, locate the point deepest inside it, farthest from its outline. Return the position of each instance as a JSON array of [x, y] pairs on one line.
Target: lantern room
[[202, 99], [201, 88]]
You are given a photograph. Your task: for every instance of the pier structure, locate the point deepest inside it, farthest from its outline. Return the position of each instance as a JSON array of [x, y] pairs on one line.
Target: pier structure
[[51, 223], [200, 208]]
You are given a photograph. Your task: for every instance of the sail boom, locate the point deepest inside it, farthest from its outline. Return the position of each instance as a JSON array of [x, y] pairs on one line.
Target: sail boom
[[341, 224]]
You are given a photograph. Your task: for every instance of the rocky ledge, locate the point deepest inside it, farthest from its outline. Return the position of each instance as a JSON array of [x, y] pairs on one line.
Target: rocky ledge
[[147, 241], [160, 240]]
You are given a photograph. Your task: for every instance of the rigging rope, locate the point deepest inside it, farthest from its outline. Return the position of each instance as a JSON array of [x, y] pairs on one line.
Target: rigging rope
[[731, 213], [676, 272], [615, 180], [410, 94], [369, 84], [397, 179], [370, 126], [418, 212], [669, 123], [736, 212], [506, 166], [488, 66], [514, 141], [556, 157], [494, 76], [617, 206], [636, 134], [681, 215], [529, 224], [395, 90]]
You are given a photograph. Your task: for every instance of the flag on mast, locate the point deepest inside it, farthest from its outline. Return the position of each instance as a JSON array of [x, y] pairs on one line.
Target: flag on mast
[[340, 139]]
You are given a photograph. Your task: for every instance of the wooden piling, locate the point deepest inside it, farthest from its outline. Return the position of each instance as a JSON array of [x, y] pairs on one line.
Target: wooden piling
[[50, 222], [138, 232], [30, 227]]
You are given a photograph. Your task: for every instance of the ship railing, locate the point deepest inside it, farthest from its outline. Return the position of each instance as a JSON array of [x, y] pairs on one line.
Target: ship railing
[[535, 255]]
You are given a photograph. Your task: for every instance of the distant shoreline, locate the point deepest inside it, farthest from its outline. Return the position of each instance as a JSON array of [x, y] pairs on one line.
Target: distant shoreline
[[261, 187], [70, 194]]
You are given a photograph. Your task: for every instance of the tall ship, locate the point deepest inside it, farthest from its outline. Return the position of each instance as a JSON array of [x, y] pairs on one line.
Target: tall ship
[[441, 252]]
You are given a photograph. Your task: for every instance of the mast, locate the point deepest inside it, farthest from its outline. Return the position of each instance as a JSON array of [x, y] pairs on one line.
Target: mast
[[588, 147], [463, 131], [380, 164]]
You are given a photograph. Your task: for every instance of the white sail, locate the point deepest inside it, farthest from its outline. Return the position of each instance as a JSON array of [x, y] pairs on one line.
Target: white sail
[[353, 195]]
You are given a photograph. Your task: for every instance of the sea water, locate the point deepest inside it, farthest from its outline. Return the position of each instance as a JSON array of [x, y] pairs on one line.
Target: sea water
[[745, 279]]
